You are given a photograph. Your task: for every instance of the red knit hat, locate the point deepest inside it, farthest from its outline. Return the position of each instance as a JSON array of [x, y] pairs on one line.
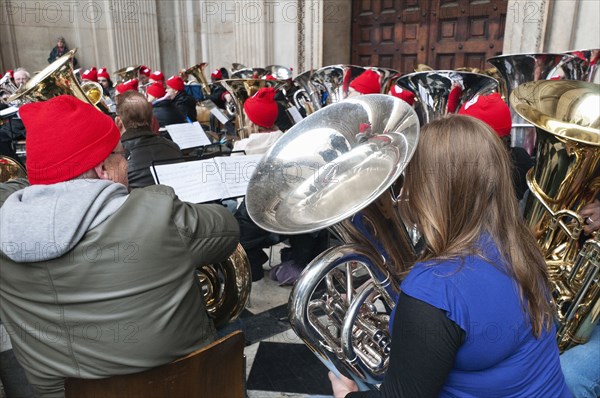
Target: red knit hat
[[157, 90], [90, 74], [261, 108], [144, 70], [126, 86], [217, 75], [367, 83], [65, 138], [11, 73], [157, 76], [102, 72], [490, 109], [176, 83], [405, 95]]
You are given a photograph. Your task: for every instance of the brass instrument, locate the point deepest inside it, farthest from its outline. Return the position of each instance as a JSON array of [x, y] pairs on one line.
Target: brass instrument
[[7, 88], [279, 72], [10, 169], [330, 171], [242, 89], [591, 60], [249, 73], [308, 95], [387, 78], [198, 72], [127, 73], [58, 79], [433, 88], [226, 287], [336, 80], [517, 69], [566, 177]]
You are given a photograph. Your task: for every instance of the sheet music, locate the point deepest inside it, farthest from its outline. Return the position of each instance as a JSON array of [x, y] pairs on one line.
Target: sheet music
[[200, 181], [219, 115], [196, 181], [236, 172], [188, 135], [295, 114]]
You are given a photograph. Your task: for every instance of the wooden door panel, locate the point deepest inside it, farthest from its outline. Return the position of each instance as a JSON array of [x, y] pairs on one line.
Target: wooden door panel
[[445, 34]]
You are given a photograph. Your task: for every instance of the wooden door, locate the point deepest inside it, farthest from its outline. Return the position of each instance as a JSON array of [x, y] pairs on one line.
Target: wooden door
[[444, 34]]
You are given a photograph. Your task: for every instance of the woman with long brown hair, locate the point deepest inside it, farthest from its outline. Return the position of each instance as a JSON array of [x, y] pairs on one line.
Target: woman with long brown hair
[[475, 317]]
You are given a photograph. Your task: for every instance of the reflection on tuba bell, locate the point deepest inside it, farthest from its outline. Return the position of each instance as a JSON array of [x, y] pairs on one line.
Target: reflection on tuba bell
[[329, 170], [336, 80], [10, 169], [58, 79], [565, 178], [226, 287]]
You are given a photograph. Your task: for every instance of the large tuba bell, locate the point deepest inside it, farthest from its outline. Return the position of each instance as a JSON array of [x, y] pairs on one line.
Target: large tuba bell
[[565, 178], [249, 73], [336, 168], [58, 79], [241, 90], [517, 69], [432, 90], [226, 287]]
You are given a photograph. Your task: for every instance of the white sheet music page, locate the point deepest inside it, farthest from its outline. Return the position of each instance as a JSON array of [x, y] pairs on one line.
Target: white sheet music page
[[219, 115], [195, 181], [188, 135], [236, 172]]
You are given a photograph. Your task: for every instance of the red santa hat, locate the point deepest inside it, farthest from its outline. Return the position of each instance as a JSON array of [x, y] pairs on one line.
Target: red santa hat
[[261, 108], [176, 83], [90, 74], [157, 90], [217, 75], [367, 83], [82, 137], [490, 109], [126, 86], [102, 72], [157, 76], [404, 94], [144, 70]]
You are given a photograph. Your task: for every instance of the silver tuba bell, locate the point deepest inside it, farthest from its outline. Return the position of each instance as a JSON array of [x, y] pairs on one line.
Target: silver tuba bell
[[336, 80], [432, 90], [517, 69], [337, 169]]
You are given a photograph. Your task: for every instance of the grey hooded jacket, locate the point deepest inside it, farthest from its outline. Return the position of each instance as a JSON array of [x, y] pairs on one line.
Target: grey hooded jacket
[[97, 282]]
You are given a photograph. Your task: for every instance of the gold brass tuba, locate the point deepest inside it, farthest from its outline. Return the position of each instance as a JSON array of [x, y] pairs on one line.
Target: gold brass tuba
[[566, 177], [58, 79], [336, 168], [226, 287], [241, 90], [198, 72]]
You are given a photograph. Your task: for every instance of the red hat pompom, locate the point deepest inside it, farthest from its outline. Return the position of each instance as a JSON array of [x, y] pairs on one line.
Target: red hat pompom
[[82, 137], [261, 108], [157, 90], [490, 109], [176, 83], [367, 83]]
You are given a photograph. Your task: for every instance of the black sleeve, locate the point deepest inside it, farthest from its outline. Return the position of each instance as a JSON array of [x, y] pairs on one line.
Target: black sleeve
[[424, 344]]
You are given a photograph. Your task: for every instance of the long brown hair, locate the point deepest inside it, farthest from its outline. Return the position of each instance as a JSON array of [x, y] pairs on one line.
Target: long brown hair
[[458, 186]]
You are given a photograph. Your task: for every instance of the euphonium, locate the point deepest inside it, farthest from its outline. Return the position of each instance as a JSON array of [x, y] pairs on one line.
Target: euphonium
[[127, 73], [198, 72], [58, 79], [336, 168], [565, 178], [432, 90], [226, 287], [517, 69], [242, 89]]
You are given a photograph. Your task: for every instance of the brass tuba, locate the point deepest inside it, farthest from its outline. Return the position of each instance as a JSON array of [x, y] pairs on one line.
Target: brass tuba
[[241, 90], [226, 287], [198, 72], [432, 90], [565, 178], [58, 79], [336, 168]]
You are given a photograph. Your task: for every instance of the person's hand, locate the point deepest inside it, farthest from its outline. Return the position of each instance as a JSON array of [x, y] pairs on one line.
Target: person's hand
[[341, 385], [591, 217]]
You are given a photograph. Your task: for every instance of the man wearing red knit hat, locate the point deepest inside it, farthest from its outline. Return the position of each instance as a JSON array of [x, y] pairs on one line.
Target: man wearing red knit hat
[[85, 271], [163, 108], [492, 110], [185, 103], [90, 75]]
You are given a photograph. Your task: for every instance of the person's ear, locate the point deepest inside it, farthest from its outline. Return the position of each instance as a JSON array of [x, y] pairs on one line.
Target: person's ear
[[101, 172], [119, 123]]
